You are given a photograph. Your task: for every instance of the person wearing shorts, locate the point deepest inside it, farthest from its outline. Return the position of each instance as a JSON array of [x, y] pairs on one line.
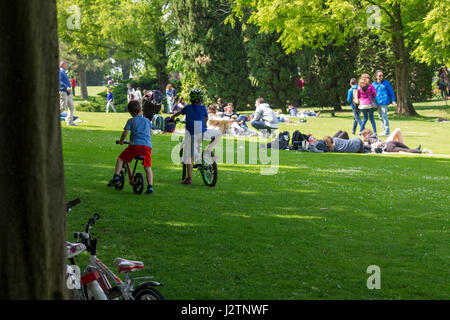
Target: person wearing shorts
[[196, 119], [140, 144]]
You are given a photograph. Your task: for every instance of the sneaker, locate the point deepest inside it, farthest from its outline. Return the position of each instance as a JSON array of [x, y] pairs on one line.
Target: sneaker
[[113, 181], [72, 124], [149, 190], [427, 151], [187, 181]]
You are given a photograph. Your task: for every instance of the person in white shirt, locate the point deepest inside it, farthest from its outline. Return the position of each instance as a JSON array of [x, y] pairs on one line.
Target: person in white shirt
[[264, 118]]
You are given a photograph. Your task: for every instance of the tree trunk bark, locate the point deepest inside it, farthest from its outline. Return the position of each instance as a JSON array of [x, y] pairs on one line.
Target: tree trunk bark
[[402, 61], [126, 70], [32, 196], [161, 61], [83, 81]]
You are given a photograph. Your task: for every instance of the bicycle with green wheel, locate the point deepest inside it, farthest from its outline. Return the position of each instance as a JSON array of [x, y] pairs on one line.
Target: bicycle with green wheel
[[207, 165]]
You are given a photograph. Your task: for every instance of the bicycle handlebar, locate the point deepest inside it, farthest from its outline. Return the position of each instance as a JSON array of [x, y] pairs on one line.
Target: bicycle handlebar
[[91, 222], [72, 204], [125, 142]]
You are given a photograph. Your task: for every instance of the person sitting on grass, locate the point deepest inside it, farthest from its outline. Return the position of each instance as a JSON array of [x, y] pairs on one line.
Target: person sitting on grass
[[264, 118], [140, 144], [216, 122], [196, 119], [394, 143], [293, 112]]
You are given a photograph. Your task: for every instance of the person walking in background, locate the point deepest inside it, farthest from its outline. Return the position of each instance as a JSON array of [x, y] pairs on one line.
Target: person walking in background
[[130, 93], [385, 96], [73, 84], [110, 101], [300, 85], [65, 99], [138, 95], [171, 95], [366, 92], [443, 82], [352, 98]]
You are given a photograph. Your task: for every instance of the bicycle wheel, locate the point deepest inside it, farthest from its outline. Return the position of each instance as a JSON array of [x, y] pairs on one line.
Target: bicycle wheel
[[120, 185], [209, 171], [138, 183], [148, 294]]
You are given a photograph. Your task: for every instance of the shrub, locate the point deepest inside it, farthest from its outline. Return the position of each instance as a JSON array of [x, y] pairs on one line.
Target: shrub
[[93, 106]]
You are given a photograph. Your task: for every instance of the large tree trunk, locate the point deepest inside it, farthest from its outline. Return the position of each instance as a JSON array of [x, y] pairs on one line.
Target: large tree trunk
[[402, 61], [83, 81], [161, 64], [32, 216]]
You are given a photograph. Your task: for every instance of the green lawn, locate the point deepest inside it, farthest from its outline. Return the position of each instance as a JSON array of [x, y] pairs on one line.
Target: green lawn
[[308, 232]]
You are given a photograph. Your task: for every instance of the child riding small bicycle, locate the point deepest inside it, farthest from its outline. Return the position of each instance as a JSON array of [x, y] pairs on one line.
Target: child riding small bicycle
[[140, 144], [196, 119]]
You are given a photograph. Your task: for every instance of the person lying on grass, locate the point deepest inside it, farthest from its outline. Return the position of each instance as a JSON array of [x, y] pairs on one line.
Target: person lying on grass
[[196, 119], [394, 143], [140, 144], [336, 144]]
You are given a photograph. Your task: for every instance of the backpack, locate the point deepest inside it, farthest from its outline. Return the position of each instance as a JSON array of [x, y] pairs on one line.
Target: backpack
[[355, 98], [157, 97], [169, 126], [158, 122], [297, 139], [282, 143]]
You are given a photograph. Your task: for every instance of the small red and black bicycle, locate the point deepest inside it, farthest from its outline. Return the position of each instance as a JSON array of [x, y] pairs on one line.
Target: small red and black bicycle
[[135, 179]]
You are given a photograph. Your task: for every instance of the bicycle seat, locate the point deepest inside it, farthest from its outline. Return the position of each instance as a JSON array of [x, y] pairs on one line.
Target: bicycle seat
[[74, 249], [139, 158], [125, 265]]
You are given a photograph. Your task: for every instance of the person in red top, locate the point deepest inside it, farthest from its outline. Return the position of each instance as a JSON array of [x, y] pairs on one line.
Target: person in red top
[[300, 84], [73, 84]]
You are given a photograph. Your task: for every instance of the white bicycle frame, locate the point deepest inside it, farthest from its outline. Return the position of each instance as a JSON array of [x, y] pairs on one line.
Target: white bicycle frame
[[126, 287]]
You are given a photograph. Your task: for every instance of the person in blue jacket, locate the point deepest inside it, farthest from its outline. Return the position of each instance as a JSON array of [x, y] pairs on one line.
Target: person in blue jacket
[[65, 99], [356, 112], [385, 96]]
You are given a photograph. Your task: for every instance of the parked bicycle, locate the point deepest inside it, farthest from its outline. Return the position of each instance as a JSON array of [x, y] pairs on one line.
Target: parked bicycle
[[98, 282]]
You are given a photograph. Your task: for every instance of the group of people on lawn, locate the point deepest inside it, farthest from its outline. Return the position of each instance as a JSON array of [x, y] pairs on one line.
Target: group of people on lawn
[[220, 118]]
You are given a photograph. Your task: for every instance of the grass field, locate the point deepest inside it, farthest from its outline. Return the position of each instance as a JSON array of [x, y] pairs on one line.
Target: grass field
[[308, 232]]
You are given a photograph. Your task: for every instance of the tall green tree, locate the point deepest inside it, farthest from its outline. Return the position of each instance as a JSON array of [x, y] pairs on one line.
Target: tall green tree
[[327, 73], [272, 71], [80, 35], [213, 52], [318, 23]]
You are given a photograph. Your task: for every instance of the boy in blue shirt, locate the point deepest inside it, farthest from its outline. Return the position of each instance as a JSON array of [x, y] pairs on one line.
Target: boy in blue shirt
[[110, 100], [196, 119], [351, 96], [140, 144]]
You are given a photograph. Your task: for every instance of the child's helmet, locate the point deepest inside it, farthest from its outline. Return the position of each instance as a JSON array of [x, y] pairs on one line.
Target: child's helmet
[[196, 94]]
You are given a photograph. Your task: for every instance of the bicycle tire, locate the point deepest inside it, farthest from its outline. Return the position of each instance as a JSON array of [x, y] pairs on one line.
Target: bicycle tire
[[138, 183], [209, 172], [147, 293]]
